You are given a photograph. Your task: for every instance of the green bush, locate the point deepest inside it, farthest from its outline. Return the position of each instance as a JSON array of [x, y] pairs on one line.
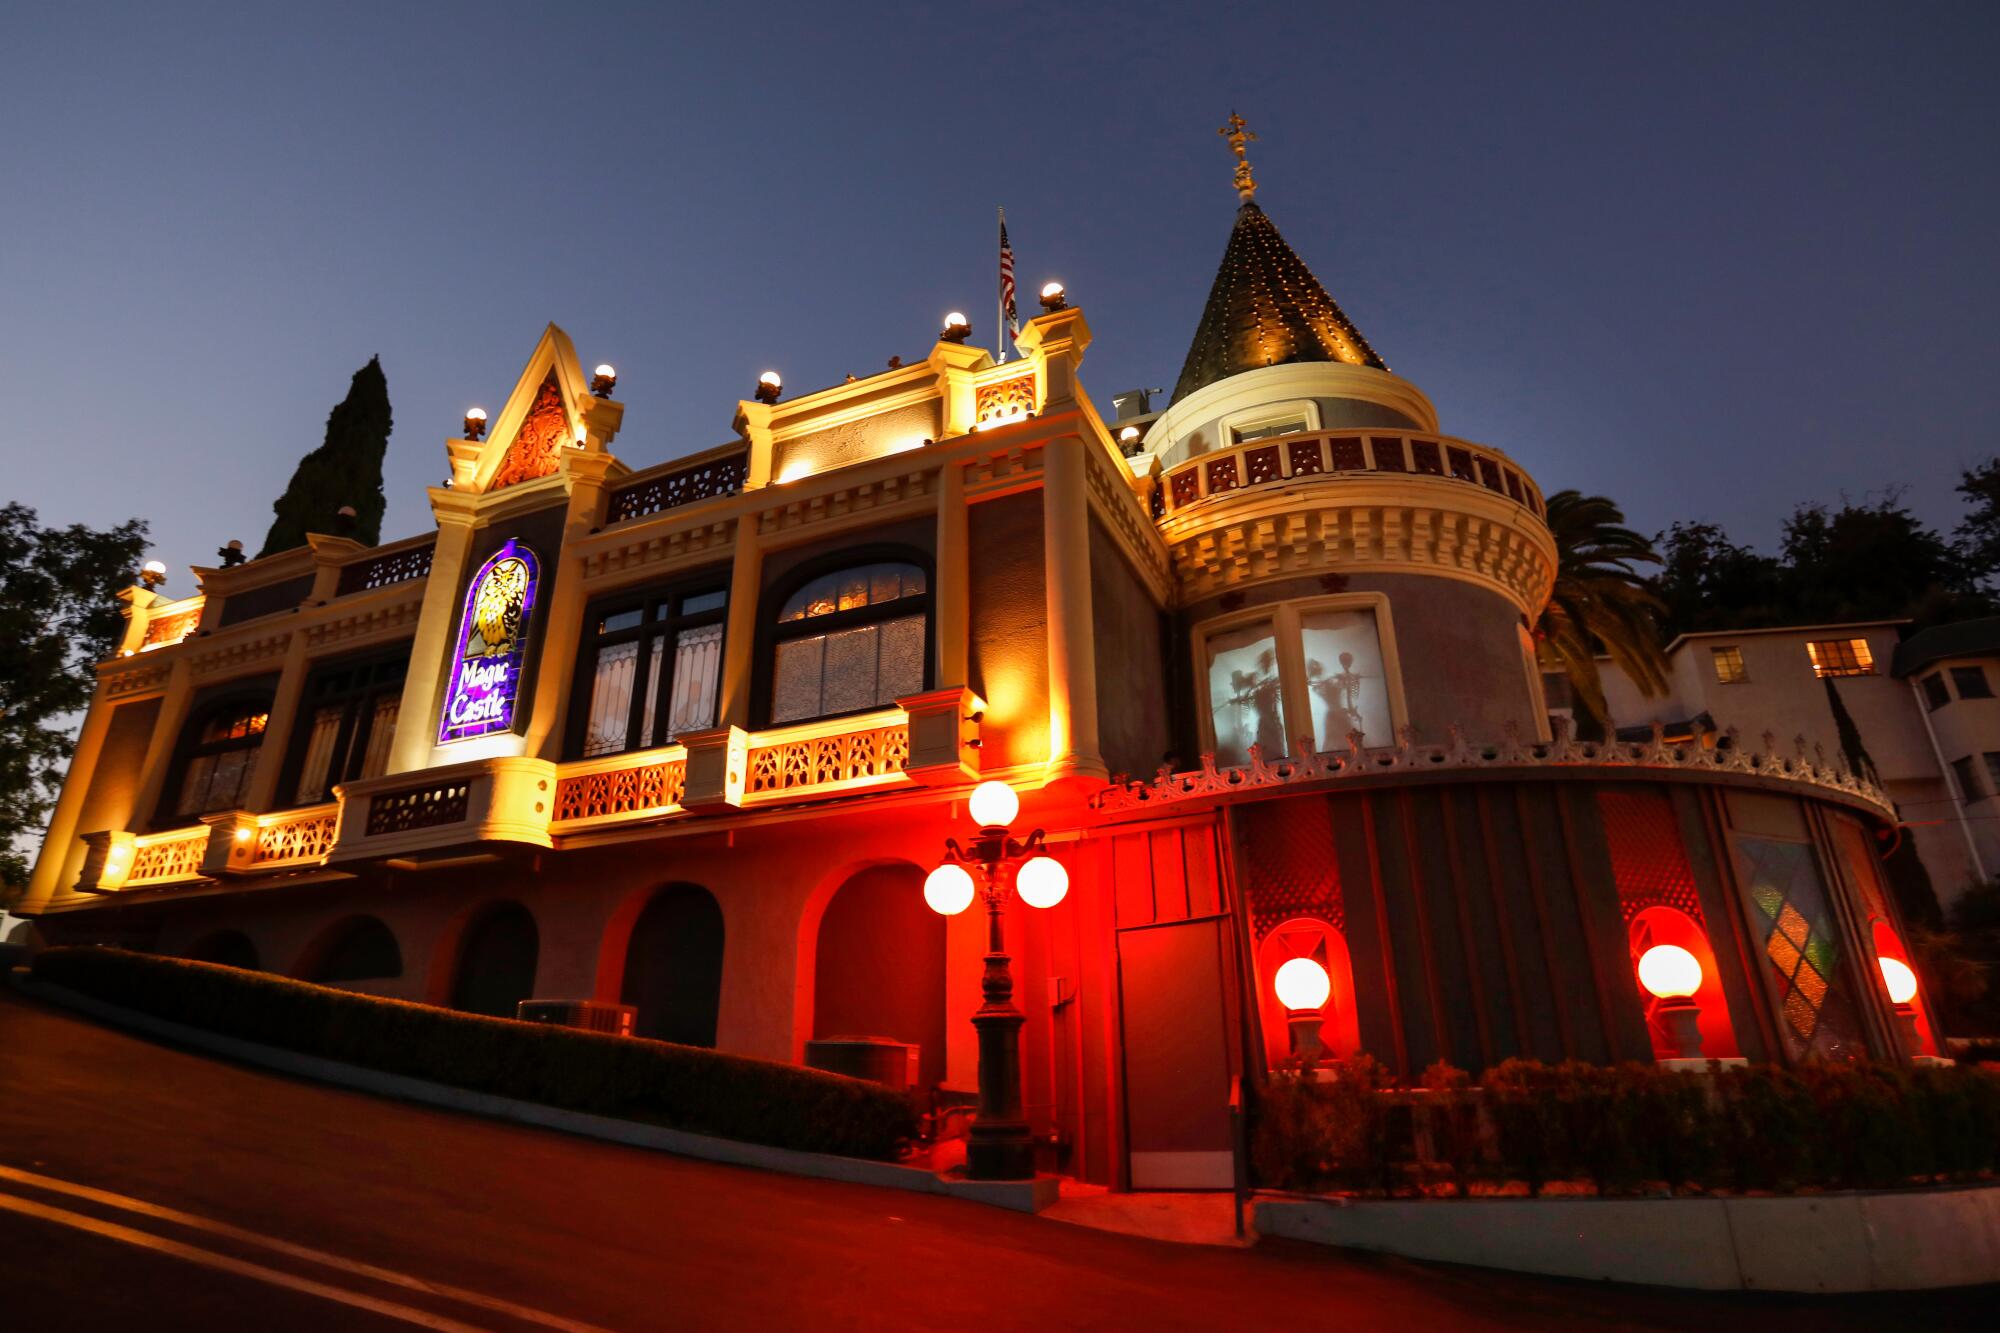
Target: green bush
[[682, 1087], [1628, 1129]]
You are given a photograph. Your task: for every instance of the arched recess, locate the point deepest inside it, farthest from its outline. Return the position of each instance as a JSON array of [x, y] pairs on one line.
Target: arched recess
[[231, 948], [359, 948], [1307, 937], [673, 966], [879, 964], [1670, 925], [495, 968]]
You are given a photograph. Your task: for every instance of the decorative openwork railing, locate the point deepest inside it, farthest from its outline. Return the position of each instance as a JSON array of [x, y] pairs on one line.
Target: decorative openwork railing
[[163, 631], [380, 571], [428, 806], [841, 759], [297, 837], [159, 857], [1267, 462], [703, 480], [1003, 401], [650, 788], [1706, 752]]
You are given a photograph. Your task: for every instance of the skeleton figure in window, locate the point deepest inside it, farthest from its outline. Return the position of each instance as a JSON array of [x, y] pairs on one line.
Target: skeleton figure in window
[[1256, 692], [497, 613], [1341, 692]]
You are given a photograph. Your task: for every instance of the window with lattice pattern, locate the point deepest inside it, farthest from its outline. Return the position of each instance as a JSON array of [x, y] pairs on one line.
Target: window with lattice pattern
[[1841, 657], [1794, 925], [1729, 665]]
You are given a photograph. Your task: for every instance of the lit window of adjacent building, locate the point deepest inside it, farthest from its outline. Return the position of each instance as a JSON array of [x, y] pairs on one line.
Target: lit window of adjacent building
[[650, 668], [219, 761], [1936, 696], [1729, 666], [1970, 682], [347, 722], [1314, 669], [851, 640], [1841, 657], [1968, 779]]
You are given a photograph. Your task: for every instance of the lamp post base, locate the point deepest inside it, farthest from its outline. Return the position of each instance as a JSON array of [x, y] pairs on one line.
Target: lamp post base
[[999, 1150]]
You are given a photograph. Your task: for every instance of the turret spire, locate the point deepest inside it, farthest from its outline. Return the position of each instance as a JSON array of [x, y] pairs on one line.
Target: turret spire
[[1246, 185]]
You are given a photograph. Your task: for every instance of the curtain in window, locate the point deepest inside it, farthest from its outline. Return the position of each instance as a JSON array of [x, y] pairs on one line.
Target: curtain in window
[[697, 678], [611, 700], [381, 735], [848, 670], [1244, 697], [1347, 686], [314, 773]]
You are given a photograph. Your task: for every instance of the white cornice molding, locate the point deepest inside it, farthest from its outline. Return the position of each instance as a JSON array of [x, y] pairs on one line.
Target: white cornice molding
[[1252, 389]]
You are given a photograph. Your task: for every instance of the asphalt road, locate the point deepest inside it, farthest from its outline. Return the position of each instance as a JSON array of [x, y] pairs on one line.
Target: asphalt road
[[143, 1187]]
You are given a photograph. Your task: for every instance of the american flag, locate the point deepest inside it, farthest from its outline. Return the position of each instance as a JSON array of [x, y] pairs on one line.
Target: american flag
[[1007, 307]]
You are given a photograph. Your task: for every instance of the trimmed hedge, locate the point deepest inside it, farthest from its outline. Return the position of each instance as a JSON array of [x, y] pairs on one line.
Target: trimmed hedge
[[681, 1087], [1629, 1129]]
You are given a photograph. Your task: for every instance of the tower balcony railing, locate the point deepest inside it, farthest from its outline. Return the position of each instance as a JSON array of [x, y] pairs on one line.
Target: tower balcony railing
[[1285, 459]]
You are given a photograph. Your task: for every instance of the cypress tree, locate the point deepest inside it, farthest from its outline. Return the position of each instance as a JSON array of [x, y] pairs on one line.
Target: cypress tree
[[345, 470]]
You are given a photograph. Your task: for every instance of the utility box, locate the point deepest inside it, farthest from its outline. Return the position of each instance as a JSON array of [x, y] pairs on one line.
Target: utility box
[[590, 1015], [882, 1060]]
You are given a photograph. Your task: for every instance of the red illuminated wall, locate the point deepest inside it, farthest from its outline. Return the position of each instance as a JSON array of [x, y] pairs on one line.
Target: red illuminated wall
[[879, 968]]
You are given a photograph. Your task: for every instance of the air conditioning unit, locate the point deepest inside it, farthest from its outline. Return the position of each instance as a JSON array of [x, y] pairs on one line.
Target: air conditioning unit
[[590, 1015], [881, 1060]]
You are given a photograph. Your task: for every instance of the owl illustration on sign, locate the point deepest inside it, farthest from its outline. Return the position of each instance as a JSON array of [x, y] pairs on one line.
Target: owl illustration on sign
[[496, 614]]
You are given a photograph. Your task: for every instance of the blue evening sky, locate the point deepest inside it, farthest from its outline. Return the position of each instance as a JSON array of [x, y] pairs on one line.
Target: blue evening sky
[[1708, 259]]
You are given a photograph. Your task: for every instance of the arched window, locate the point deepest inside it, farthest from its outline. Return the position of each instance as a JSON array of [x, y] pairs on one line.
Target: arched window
[[852, 639], [359, 949], [231, 948], [220, 755]]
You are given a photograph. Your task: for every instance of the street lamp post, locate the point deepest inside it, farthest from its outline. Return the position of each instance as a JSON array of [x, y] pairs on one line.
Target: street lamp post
[[998, 1146]]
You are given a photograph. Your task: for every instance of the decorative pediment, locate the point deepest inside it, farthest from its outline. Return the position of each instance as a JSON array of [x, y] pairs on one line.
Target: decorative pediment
[[550, 402], [536, 449]]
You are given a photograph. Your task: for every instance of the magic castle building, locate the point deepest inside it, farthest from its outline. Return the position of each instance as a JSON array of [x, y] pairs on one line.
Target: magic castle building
[[1259, 666]]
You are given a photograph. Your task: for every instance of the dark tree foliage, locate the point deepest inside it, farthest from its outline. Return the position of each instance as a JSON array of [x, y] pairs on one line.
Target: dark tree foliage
[[1600, 601], [58, 616], [1979, 534], [1869, 561], [345, 470]]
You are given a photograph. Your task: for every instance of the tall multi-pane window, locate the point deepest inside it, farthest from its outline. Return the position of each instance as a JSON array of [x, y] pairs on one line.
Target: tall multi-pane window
[[851, 640], [1971, 682], [1729, 665], [221, 756], [1312, 671], [649, 669], [347, 722], [1841, 657]]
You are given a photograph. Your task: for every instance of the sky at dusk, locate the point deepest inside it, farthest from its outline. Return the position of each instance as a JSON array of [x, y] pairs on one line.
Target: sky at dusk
[[1708, 259]]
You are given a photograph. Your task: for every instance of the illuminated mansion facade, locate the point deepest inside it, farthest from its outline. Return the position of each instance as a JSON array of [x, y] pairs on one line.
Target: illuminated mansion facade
[[689, 738]]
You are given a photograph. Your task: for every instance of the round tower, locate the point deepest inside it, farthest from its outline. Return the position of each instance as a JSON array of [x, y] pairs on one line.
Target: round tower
[[1343, 566]]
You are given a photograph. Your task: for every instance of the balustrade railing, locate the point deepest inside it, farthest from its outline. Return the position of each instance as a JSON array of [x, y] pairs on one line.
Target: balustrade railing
[[160, 857], [656, 492], [296, 837], [1322, 453], [401, 566], [632, 785], [781, 764]]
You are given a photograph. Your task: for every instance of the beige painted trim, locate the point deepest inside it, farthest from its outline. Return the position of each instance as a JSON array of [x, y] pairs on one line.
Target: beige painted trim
[[1270, 414], [1292, 686], [1252, 389]]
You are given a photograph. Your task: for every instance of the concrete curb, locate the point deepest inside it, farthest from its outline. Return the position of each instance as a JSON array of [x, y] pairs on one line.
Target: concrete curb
[[1886, 1240], [1022, 1196]]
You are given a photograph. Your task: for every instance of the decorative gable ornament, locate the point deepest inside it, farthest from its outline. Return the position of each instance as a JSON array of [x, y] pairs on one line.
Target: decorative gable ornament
[[536, 449], [488, 671]]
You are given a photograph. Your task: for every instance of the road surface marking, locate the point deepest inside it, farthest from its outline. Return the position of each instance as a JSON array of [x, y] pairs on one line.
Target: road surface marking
[[209, 1259], [194, 1222]]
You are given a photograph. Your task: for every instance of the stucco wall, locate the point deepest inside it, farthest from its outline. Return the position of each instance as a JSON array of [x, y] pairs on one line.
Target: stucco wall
[[1010, 628], [114, 782], [1133, 731]]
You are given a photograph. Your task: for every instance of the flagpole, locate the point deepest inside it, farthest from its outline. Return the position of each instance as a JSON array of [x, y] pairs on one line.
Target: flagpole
[[999, 296]]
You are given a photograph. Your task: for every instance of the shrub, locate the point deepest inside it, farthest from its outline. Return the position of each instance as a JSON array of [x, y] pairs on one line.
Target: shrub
[[681, 1087], [1633, 1127]]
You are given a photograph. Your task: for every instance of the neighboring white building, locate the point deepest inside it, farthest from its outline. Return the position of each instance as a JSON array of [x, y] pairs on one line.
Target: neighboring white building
[[1923, 705]]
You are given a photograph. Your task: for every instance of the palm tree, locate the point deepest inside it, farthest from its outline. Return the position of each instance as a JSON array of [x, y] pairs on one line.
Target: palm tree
[[1600, 602]]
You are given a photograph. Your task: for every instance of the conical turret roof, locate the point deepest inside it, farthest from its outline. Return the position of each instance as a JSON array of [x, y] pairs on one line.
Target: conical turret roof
[[1266, 309]]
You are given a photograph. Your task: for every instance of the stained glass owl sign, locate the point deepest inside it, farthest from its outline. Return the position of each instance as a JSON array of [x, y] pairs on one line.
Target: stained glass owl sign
[[488, 671]]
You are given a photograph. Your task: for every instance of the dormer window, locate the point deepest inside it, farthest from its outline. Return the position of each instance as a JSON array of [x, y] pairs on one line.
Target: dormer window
[[1292, 424]]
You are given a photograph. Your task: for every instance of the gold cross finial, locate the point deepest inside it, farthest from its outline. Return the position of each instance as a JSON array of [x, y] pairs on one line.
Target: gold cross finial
[[1246, 186]]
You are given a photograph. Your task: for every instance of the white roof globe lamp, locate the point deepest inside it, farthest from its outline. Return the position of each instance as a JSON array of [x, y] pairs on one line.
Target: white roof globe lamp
[[1304, 987], [1672, 975]]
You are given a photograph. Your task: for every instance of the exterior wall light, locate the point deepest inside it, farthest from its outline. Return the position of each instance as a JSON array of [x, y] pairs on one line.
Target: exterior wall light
[[153, 573], [475, 423], [1303, 988], [1902, 983], [1053, 298], [769, 386], [1673, 975], [998, 1145], [957, 328], [582, 435], [603, 380], [1130, 435]]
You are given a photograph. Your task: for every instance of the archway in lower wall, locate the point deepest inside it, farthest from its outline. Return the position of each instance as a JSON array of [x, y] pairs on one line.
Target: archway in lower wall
[[360, 948], [878, 967], [496, 961], [673, 966], [231, 948]]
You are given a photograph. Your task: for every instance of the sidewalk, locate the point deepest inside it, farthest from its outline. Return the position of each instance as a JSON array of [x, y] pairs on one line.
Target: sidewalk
[[1188, 1219]]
